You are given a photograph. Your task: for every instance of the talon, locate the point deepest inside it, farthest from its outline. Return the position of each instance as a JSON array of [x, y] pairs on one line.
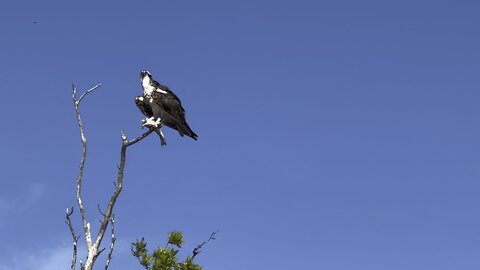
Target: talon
[[144, 122], [150, 122]]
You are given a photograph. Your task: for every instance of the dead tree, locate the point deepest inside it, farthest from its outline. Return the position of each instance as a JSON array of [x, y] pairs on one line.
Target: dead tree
[[93, 243]]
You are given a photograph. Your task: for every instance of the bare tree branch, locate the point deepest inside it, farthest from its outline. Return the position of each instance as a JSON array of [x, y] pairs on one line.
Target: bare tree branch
[[127, 143], [112, 241], [107, 216], [75, 237], [119, 184], [76, 102], [198, 249]]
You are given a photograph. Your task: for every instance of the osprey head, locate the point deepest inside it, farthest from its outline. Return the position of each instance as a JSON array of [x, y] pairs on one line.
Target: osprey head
[[145, 73]]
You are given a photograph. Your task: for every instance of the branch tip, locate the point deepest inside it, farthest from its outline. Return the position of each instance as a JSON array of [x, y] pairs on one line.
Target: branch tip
[[198, 248]]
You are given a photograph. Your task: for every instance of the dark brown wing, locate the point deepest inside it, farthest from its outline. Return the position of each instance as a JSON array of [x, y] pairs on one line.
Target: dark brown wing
[[173, 114]]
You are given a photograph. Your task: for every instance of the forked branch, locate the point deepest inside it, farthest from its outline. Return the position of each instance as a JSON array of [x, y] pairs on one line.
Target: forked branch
[[107, 216], [76, 102]]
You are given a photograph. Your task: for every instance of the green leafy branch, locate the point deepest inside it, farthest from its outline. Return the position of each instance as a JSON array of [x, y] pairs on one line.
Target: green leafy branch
[[165, 258]]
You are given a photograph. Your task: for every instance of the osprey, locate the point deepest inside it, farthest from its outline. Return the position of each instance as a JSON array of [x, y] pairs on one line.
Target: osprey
[[161, 107]]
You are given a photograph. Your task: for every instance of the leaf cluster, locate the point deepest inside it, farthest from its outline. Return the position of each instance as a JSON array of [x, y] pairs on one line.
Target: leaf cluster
[[164, 258]]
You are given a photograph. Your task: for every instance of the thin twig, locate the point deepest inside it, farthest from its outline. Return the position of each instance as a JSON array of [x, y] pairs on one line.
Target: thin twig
[[198, 249], [97, 254], [75, 237], [100, 210], [88, 91], [101, 213]]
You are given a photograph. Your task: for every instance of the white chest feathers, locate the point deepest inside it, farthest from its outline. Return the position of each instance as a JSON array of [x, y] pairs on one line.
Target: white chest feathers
[[147, 87]]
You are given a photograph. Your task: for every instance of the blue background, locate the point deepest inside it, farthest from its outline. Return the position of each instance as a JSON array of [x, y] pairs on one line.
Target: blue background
[[332, 134]]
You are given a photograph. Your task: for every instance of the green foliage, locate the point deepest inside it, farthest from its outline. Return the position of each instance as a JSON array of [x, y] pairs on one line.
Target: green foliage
[[139, 250], [163, 258], [188, 265], [175, 238]]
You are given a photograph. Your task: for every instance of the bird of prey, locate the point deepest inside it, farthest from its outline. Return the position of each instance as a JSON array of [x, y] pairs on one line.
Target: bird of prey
[[161, 107]]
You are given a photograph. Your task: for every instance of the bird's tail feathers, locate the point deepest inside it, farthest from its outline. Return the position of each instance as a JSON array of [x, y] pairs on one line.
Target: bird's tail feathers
[[186, 130]]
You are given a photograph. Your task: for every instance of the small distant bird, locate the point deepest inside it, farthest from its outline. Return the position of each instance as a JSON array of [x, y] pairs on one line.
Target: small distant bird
[[162, 107]]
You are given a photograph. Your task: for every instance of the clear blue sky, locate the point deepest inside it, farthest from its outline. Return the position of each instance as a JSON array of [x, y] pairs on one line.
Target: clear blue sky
[[340, 135]]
